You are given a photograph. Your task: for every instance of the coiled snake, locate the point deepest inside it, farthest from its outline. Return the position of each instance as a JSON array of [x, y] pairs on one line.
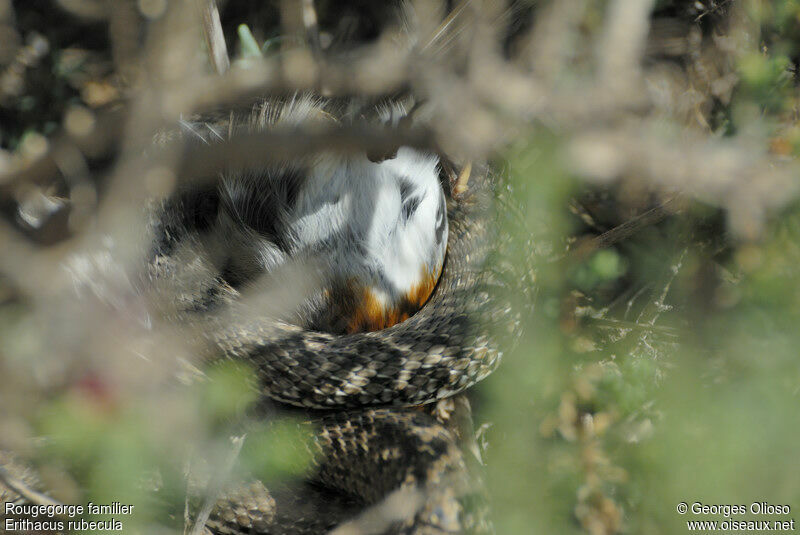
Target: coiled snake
[[370, 446], [382, 465]]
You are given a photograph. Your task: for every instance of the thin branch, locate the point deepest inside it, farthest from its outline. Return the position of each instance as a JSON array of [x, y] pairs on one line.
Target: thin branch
[[24, 491], [622, 231], [401, 504], [214, 494], [107, 127], [610, 323], [623, 44], [311, 24], [246, 151], [215, 39]]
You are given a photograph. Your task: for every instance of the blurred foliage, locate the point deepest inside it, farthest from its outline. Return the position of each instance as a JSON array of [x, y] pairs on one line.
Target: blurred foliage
[[660, 369], [663, 369], [657, 372]]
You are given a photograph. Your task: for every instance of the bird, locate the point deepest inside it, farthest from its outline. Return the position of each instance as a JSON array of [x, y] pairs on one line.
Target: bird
[[375, 228]]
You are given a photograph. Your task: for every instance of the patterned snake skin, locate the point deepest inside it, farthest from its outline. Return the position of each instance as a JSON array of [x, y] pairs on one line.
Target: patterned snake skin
[[368, 446], [440, 351], [390, 428]]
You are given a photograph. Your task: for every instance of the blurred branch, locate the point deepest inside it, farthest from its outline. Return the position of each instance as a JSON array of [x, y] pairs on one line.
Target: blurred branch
[[581, 73], [733, 173], [35, 271], [584, 248], [245, 151], [611, 323], [548, 47], [218, 485], [96, 136], [124, 30], [312, 28], [622, 46], [400, 504], [215, 39], [24, 491]]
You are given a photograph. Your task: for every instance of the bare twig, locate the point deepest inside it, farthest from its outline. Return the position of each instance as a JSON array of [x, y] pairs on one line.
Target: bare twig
[[401, 504], [623, 44], [312, 28], [215, 39], [218, 484], [611, 323], [97, 141], [463, 179], [623, 231], [245, 151], [24, 491]]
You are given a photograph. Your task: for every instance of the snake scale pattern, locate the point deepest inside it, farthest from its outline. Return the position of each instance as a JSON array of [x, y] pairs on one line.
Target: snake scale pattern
[[391, 427], [370, 440], [441, 350]]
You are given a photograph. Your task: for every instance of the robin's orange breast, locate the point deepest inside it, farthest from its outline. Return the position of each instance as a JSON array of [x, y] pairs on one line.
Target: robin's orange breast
[[370, 313]]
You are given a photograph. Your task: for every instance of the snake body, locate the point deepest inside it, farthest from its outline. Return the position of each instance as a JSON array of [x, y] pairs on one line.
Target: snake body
[[374, 442], [382, 464], [438, 352]]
